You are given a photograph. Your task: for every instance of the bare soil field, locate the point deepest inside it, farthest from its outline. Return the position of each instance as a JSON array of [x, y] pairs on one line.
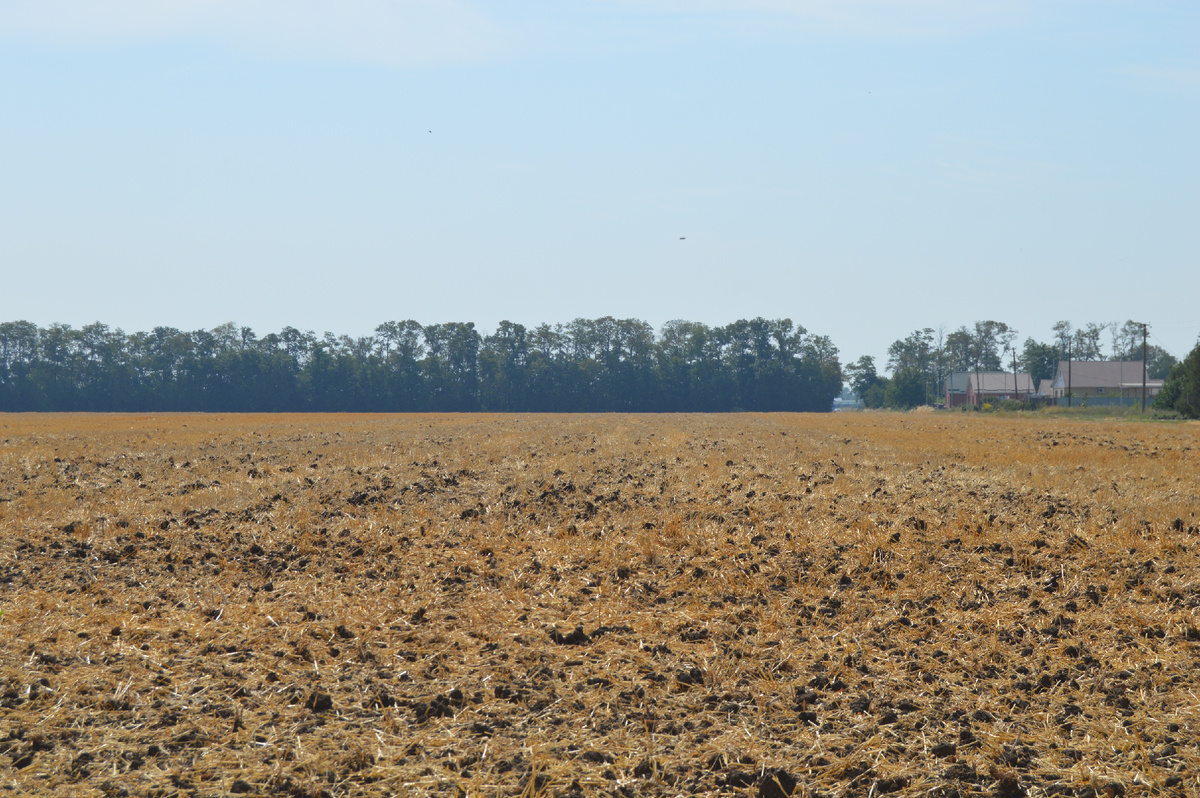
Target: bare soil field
[[768, 605]]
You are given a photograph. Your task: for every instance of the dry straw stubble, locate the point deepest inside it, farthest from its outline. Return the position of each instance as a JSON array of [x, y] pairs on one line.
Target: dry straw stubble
[[598, 605]]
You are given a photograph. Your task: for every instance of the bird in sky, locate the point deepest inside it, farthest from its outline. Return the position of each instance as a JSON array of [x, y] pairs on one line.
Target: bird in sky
[[681, 238]]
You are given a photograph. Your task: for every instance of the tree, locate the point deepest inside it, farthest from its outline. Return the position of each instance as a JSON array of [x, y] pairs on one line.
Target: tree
[[547, 369], [1159, 362], [980, 347], [875, 396], [452, 365], [592, 364], [503, 366], [917, 353], [913, 352], [1128, 345], [1039, 360], [960, 350], [820, 374], [906, 390], [1182, 390], [680, 349], [297, 344], [633, 376], [861, 375], [1085, 343], [227, 335], [940, 361], [1126, 340], [992, 340]]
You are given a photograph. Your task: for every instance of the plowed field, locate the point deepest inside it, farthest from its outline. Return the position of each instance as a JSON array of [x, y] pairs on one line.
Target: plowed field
[[839, 605]]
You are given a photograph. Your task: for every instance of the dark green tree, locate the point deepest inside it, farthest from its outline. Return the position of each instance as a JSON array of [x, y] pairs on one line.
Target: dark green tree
[[503, 369], [680, 349], [918, 353], [992, 341], [906, 390], [960, 350], [1038, 360], [592, 364], [1086, 342], [1182, 390], [452, 366], [875, 396], [861, 376]]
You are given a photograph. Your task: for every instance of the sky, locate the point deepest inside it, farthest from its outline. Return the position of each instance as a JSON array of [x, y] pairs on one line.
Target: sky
[[863, 167]]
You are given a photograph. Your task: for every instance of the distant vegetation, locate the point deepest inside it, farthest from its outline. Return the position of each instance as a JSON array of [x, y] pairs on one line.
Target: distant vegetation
[[588, 365], [1182, 391], [922, 362]]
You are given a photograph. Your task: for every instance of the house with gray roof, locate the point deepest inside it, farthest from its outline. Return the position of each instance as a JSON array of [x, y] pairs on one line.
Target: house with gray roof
[[998, 386], [1102, 382], [970, 388], [956, 390]]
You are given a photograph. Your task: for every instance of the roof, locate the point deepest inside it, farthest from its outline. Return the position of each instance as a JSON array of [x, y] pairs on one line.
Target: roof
[[1044, 387], [957, 382], [1000, 382], [1099, 373]]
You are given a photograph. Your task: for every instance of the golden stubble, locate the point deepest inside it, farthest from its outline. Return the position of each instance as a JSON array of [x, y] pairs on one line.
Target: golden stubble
[[181, 589]]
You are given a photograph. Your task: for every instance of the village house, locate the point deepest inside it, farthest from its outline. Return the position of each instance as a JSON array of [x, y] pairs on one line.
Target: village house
[[1102, 382], [956, 390], [971, 388], [998, 386]]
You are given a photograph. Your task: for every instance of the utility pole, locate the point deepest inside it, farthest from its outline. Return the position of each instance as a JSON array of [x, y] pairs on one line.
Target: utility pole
[[1144, 366], [978, 403], [1122, 381], [1068, 374], [1016, 389]]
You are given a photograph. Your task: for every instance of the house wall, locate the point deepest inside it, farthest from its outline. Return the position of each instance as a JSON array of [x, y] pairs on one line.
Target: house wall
[[972, 397], [1104, 398], [999, 396], [956, 399]]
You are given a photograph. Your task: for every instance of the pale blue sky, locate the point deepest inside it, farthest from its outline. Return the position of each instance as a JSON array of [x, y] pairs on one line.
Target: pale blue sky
[[865, 167]]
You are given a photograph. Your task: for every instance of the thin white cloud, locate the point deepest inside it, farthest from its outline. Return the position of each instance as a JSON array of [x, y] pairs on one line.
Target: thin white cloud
[[869, 17], [1165, 77], [388, 32]]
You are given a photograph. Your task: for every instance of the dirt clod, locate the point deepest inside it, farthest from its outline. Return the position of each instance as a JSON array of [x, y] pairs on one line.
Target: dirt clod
[[777, 784], [575, 638], [319, 702]]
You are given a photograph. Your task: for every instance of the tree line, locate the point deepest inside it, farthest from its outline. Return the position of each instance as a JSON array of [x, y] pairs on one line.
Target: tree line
[[921, 363], [588, 365]]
